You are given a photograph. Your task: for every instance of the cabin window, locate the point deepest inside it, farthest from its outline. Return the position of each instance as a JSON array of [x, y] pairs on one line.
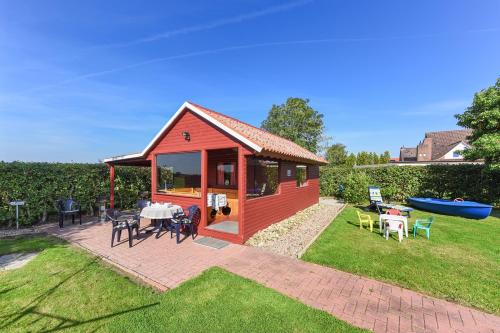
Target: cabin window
[[226, 174], [301, 175], [457, 154], [179, 173], [262, 177]]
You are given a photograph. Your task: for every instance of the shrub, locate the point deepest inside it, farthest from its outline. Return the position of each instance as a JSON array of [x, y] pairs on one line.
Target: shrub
[[473, 182], [355, 187], [40, 185]]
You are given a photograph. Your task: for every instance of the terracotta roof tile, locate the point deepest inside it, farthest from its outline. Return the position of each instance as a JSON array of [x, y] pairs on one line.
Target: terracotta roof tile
[[269, 142], [443, 141]]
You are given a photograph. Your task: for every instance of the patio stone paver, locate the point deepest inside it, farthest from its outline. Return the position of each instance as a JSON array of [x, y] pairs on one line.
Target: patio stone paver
[[360, 301]]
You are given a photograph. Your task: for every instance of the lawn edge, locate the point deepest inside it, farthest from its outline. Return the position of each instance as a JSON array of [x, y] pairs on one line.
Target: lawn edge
[[304, 250]]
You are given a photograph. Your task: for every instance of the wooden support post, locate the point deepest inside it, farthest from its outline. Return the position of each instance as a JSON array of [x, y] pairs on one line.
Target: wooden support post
[[204, 181], [111, 186], [242, 191]]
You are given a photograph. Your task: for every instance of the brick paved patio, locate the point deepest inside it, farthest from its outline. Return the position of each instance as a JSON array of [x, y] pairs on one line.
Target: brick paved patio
[[360, 301]]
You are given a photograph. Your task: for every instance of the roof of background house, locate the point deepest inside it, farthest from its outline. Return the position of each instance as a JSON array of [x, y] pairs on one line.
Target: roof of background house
[[258, 139], [406, 152], [444, 141]]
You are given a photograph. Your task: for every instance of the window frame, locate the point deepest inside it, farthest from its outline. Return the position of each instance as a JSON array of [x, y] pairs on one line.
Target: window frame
[[278, 187], [224, 164], [305, 183], [179, 194]]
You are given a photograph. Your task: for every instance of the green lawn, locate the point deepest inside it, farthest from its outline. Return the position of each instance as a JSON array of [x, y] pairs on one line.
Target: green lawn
[[460, 262], [65, 289]]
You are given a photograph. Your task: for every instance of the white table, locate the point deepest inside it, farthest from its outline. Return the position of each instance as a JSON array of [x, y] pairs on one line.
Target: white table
[[384, 217], [160, 212]]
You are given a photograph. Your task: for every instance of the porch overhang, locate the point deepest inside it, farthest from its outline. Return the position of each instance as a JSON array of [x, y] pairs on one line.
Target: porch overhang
[[136, 159]]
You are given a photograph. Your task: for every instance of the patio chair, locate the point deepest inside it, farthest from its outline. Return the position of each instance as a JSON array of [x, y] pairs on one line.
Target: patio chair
[[68, 207], [189, 222], [121, 222], [423, 224], [365, 218], [393, 226], [377, 202]]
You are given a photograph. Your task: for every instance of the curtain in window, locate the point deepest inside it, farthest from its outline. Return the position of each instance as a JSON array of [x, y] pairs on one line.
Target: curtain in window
[[220, 173], [233, 174]]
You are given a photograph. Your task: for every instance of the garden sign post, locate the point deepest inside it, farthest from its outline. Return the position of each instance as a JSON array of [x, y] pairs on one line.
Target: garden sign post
[[17, 203]]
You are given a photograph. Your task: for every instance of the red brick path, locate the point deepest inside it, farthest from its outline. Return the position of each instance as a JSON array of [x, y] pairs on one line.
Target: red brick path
[[360, 301]]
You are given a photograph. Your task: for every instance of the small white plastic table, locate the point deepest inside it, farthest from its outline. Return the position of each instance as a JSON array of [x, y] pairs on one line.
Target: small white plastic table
[[384, 217]]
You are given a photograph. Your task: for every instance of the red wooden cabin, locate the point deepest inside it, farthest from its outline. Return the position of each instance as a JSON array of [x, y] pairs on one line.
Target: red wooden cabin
[[199, 152]]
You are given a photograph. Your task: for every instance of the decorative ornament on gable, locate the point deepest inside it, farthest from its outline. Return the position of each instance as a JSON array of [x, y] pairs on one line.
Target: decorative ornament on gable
[[186, 136]]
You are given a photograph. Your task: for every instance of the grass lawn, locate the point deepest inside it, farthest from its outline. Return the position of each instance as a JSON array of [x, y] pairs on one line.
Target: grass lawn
[[460, 262], [65, 289]]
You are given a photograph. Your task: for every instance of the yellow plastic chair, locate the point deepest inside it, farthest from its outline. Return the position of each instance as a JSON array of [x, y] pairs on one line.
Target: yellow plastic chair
[[365, 218]]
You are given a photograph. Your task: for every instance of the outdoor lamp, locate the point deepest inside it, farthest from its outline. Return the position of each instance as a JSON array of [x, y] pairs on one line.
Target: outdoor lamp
[[186, 135]]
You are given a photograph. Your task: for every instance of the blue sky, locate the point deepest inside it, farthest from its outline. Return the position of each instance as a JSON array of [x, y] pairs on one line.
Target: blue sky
[[84, 80]]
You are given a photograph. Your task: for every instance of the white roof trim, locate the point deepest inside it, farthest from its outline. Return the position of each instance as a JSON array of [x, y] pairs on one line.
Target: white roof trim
[[123, 157], [199, 112]]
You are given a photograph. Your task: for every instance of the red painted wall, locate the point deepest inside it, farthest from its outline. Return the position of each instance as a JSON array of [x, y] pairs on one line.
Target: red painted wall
[[264, 211]]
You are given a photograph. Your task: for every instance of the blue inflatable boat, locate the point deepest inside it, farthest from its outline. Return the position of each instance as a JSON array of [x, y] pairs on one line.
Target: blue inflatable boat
[[458, 207]]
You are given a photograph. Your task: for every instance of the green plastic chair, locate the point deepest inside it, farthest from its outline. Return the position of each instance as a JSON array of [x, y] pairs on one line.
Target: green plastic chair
[[424, 224]]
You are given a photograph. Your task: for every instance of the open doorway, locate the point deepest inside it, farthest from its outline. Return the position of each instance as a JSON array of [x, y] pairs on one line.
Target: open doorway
[[222, 192]]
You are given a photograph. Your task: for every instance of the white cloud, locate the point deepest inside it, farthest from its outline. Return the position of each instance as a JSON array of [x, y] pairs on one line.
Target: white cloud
[[212, 25]]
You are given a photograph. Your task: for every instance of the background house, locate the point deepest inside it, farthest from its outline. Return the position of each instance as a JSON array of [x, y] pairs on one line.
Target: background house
[[437, 146]]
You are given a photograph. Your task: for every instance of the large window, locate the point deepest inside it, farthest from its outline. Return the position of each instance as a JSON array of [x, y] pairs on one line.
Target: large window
[[262, 177], [179, 173], [301, 175]]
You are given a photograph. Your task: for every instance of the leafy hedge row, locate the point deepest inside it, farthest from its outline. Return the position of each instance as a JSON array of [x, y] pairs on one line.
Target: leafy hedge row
[[473, 182], [41, 184]]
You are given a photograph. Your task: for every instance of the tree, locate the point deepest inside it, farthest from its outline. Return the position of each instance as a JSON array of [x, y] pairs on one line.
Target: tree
[[295, 120], [375, 159], [363, 158], [385, 157], [483, 117], [336, 154], [350, 160]]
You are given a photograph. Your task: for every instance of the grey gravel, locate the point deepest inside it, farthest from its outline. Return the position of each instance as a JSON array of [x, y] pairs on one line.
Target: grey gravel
[[293, 235]]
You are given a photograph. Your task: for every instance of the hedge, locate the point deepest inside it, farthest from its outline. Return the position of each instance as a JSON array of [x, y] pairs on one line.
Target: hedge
[[468, 181], [40, 185]]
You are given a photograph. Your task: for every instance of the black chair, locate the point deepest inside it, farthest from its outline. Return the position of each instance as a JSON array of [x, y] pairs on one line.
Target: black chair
[[68, 207], [189, 222], [141, 204], [121, 222]]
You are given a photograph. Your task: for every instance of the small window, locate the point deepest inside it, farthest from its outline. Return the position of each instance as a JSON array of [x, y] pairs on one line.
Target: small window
[[262, 177], [457, 154], [301, 175], [226, 174]]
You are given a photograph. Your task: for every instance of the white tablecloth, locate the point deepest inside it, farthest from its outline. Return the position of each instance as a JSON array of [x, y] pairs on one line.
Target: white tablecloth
[[403, 219], [160, 211]]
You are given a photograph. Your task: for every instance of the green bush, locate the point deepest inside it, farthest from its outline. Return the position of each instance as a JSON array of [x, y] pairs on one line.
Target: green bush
[[355, 187], [40, 185], [472, 182]]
